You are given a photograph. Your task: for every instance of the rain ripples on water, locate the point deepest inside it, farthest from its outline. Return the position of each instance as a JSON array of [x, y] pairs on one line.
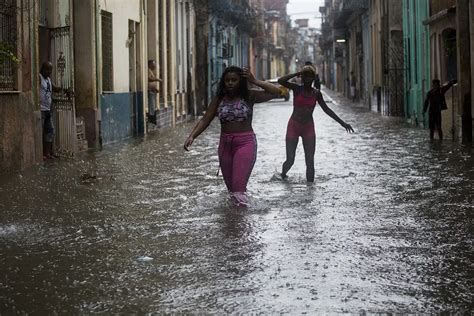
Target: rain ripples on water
[[145, 227]]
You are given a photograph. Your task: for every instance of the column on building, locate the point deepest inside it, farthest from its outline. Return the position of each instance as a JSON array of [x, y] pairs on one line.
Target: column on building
[[416, 45], [464, 56], [85, 69], [19, 110]]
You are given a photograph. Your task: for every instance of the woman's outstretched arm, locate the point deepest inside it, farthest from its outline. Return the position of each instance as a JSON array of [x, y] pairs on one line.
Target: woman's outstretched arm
[[331, 113], [203, 123]]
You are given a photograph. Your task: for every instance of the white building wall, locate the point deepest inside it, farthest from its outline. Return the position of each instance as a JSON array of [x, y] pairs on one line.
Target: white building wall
[[122, 11]]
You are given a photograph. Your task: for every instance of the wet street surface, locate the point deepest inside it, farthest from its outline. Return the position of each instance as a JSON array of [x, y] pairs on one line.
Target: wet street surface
[[146, 227]]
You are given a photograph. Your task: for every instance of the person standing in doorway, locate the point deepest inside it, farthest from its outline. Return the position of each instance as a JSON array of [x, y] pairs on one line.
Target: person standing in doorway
[[317, 81], [152, 91], [434, 104], [301, 122], [353, 87], [233, 105], [45, 96]]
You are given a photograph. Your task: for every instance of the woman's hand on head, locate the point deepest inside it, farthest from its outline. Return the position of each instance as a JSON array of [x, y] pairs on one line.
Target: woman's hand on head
[[188, 143], [246, 73]]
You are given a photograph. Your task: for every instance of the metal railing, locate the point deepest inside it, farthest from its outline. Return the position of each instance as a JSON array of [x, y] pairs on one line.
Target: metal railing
[[8, 40]]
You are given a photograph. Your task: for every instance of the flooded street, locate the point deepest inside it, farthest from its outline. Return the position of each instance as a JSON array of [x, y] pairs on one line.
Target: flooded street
[[146, 227]]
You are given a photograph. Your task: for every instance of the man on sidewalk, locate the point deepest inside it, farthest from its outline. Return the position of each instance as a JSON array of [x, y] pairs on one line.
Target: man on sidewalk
[[435, 103], [46, 89], [152, 91]]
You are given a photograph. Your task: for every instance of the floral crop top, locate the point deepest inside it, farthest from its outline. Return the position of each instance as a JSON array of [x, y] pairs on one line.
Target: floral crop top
[[234, 111]]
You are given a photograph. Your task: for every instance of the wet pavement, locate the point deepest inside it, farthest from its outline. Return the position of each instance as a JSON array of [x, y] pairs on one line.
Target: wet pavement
[[145, 227]]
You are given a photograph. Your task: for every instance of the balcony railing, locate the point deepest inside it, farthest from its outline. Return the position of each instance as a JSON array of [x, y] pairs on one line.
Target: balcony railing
[[8, 40], [355, 4]]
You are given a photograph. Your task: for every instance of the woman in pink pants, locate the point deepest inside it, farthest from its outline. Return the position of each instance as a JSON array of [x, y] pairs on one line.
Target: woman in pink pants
[[233, 105]]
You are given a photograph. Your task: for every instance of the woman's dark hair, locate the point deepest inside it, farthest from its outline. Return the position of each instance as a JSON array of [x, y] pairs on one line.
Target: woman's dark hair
[[243, 87]]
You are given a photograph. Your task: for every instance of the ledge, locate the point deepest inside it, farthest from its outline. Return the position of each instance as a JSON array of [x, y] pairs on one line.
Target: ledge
[[439, 15], [10, 92]]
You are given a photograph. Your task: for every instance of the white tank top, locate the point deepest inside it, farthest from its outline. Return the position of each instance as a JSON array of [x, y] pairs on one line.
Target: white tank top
[[45, 93]]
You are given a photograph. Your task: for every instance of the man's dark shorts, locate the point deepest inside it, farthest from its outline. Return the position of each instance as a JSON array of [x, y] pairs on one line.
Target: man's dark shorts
[[435, 120], [48, 127]]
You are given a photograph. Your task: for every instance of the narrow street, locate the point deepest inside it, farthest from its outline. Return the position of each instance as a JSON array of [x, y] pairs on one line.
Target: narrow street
[[146, 227]]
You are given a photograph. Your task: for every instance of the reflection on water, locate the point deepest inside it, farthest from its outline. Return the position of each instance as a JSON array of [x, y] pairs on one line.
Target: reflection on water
[[145, 227]]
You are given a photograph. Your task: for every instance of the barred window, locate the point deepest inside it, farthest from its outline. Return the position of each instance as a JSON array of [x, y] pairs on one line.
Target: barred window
[[8, 39], [107, 48]]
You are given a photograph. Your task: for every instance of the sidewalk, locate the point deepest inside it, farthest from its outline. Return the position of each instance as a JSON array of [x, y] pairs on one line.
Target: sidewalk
[[339, 98]]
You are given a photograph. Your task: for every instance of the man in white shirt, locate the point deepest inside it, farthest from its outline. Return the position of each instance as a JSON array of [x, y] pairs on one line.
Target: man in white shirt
[[46, 89], [152, 91]]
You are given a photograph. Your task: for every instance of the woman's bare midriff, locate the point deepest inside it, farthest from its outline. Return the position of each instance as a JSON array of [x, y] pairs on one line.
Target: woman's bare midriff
[[237, 127], [302, 116]]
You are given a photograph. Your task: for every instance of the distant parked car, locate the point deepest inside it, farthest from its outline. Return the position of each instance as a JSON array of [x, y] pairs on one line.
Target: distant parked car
[[284, 92]]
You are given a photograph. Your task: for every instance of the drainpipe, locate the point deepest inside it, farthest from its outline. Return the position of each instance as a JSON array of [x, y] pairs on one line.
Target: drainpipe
[[453, 119], [34, 49], [98, 65], [144, 62]]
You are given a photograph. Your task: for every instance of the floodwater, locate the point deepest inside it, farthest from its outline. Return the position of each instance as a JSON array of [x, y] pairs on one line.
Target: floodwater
[[145, 227]]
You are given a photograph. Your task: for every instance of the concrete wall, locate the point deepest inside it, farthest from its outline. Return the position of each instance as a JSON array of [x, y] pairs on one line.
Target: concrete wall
[[85, 68], [20, 118], [116, 113], [471, 26], [122, 110], [439, 5], [20, 131], [122, 11]]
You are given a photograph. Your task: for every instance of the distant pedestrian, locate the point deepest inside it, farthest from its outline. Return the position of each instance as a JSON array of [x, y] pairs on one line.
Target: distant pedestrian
[[301, 122], [317, 81], [46, 100], [238, 145], [152, 91], [353, 86], [435, 102]]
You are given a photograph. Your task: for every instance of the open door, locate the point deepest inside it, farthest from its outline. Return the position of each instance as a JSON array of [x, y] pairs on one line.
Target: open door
[[56, 46]]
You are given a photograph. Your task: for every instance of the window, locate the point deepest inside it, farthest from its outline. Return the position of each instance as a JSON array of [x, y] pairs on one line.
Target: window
[[8, 41], [450, 58], [107, 49]]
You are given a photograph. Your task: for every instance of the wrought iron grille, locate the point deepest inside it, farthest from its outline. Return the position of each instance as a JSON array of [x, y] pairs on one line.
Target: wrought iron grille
[[8, 39], [63, 105], [107, 49]]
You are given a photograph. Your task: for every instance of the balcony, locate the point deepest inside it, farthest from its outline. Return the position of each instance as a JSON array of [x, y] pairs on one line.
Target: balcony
[[355, 4], [346, 9]]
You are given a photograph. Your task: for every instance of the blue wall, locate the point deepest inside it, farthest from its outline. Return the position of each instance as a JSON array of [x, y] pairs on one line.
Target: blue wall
[[115, 112]]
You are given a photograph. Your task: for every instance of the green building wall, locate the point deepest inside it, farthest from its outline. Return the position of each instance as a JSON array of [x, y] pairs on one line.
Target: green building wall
[[416, 42]]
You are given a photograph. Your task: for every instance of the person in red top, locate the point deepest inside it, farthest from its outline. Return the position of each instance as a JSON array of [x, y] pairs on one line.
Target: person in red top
[[301, 122]]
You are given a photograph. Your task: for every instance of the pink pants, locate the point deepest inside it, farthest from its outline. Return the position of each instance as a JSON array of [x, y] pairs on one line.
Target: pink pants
[[296, 129], [237, 155]]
